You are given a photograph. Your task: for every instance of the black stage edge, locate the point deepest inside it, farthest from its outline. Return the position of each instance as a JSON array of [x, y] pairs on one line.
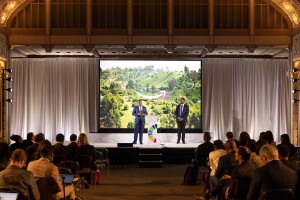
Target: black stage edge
[[131, 155]]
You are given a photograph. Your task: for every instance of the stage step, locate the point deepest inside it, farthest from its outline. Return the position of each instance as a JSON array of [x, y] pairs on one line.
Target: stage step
[[150, 158]]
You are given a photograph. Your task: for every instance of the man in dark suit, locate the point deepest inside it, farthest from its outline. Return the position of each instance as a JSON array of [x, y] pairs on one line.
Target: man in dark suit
[[284, 154], [29, 140], [241, 175], [181, 113], [14, 177], [72, 148], [274, 174], [227, 162], [139, 124], [60, 151]]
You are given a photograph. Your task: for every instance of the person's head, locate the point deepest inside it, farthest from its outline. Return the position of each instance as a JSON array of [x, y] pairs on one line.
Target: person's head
[[82, 139], [182, 100], [140, 102], [16, 138], [60, 138], [230, 145], [39, 138], [285, 139], [283, 151], [268, 153], [30, 136], [242, 154], [218, 144], [244, 137], [18, 158], [251, 144], [46, 151], [259, 144], [269, 137], [263, 135], [73, 138], [207, 137], [229, 135]]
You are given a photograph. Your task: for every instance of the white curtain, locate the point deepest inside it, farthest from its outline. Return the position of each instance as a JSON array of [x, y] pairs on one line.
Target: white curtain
[[250, 95], [54, 95]]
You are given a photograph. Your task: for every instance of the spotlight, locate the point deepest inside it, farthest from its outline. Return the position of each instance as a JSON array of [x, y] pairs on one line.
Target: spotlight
[[295, 90], [295, 79], [8, 89], [8, 79], [8, 100], [8, 70], [295, 70]]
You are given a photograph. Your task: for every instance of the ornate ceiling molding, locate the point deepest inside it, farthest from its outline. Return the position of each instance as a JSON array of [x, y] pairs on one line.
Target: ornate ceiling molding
[[7, 7]]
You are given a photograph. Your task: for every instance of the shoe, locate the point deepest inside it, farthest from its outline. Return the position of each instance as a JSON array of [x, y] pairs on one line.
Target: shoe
[[141, 143], [177, 143], [183, 142], [133, 142]]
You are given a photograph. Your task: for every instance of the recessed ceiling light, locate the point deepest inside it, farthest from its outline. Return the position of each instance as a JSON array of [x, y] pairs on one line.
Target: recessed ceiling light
[[241, 52], [57, 52], [220, 52], [68, 52], [230, 52], [78, 52], [113, 52]]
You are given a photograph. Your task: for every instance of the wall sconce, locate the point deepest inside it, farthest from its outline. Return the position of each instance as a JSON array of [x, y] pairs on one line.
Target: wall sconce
[[295, 100], [295, 90]]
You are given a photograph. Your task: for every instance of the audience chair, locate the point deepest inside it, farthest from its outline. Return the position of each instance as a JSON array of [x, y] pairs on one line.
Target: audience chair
[[278, 194], [64, 170], [87, 168], [47, 187], [57, 159], [104, 156], [99, 160], [71, 165]]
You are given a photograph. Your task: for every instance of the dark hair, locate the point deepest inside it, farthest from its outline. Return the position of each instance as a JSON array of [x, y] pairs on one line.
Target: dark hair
[[60, 138], [18, 155], [230, 144], [251, 144], [285, 139], [283, 150], [269, 136], [244, 137], [218, 144], [16, 138], [39, 137], [73, 138], [263, 135], [229, 135], [259, 144], [30, 136], [46, 150], [182, 98], [244, 152], [206, 137]]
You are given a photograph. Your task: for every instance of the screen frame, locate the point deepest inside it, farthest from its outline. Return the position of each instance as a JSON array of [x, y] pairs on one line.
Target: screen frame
[[159, 130]]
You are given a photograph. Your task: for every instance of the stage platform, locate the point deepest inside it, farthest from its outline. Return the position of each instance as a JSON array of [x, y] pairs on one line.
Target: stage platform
[[171, 153]]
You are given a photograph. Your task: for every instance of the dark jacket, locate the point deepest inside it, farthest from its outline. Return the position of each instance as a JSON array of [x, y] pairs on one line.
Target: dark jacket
[[240, 181], [272, 175], [72, 151], [226, 164], [202, 153], [184, 114]]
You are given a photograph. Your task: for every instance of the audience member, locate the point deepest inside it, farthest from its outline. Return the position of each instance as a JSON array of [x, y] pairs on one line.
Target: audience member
[[60, 151], [274, 174], [244, 138], [44, 168], [214, 160], [255, 159], [72, 148], [263, 136], [18, 143], [84, 149], [285, 139], [29, 140], [227, 162], [4, 152], [32, 149], [259, 144], [16, 178], [270, 138], [241, 175], [229, 136], [284, 153]]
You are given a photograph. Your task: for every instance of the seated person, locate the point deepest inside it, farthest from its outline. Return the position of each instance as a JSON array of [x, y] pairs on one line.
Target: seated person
[[84, 149], [72, 148], [18, 143], [5, 154], [32, 149], [60, 151], [273, 174], [44, 168], [29, 140], [14, 177]]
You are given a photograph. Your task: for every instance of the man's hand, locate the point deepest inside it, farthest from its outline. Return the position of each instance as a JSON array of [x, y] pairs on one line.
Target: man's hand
[[180, 119], [226, 177]]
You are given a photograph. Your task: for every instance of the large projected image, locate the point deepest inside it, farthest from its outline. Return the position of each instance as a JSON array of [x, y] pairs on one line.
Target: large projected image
[[160, 84]]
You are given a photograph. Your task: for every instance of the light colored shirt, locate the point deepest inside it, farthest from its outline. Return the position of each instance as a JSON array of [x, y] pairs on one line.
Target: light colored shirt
[[214, 160]]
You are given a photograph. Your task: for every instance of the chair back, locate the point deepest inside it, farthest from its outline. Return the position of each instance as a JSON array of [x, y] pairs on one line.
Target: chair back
[[105, 155], [57, 159], [278, 194], [47, 187], [86, 162], [71, 165], [64, 170]]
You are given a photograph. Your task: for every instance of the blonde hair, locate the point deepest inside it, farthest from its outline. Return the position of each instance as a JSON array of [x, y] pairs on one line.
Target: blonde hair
[[82, 139], [269, 151]]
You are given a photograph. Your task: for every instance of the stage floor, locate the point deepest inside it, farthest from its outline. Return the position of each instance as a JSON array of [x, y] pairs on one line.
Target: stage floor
[[162, 145]]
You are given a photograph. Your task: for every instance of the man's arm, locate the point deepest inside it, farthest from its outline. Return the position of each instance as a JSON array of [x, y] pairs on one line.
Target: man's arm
[[234, 184], [221, 168], [254, 189], [176, 112], [34, 188], [187, 111], [146, 113], [134, 112]]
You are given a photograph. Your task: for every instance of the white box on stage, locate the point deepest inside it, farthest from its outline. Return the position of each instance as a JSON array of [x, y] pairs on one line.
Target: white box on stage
[[152, 129]]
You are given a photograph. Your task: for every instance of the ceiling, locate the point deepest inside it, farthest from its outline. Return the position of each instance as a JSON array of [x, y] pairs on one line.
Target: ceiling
[[140, 51]]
